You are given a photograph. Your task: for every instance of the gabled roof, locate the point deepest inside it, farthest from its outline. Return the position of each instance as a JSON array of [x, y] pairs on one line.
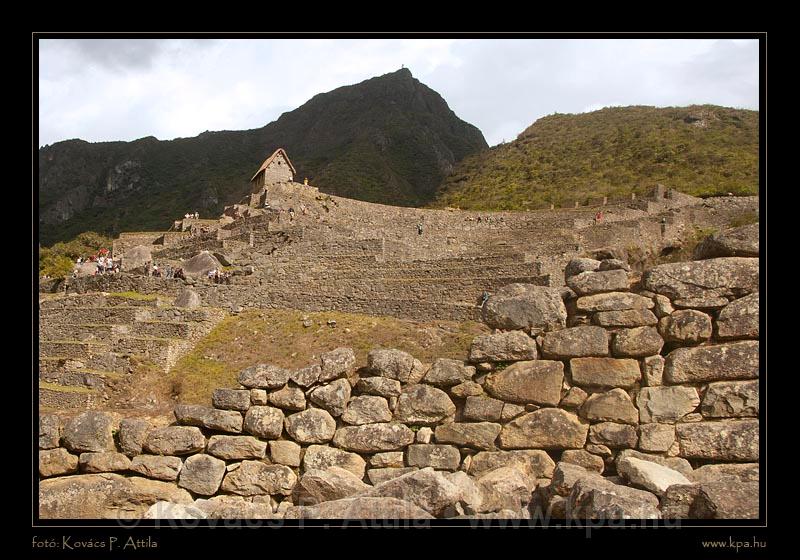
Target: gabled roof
[[271, 158]]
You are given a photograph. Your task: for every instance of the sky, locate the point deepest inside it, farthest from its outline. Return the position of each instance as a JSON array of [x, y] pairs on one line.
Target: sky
[[123, 89]]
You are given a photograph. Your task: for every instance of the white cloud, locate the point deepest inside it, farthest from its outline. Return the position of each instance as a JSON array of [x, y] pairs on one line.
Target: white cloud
[[127, 89]]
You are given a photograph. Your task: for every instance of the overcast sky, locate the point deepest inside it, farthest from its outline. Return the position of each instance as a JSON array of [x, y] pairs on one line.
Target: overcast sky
[[121, 89]]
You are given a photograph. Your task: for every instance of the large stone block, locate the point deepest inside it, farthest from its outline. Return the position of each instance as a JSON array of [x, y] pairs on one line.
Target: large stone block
[[726, 440], [650, 476], [107, 461], [720, 362], [613, 301], [236, 447], [254, 478], [588, 283], [612, 406], [686, 326], [737, 242], [231, 399], [482, 408], [367, 409], [264, 376], [605, 372], [332, 397], [478, 435], [613, 435], [548, 428], [288, 398], [424, 488], [156, 466], [575, 342], [374, 438], [395, 364], [628, 318], [509, 346], [57, 462], [708, 280], [424, 405], [730, 399], [536, 309], [446, 372], [666, 404], [333, 483], [739, 319], [638, 342], [534, 463], [440, 457], [361, 508], [89, 431], [132, 435], [175, 440], [337, 363], [321, 457], [264, 421], [537, 382], [49, 431], [379, 386], [311, 426], [202, 474]]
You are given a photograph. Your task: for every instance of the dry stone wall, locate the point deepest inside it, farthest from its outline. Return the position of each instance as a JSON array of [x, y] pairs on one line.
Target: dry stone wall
[[619, 396]]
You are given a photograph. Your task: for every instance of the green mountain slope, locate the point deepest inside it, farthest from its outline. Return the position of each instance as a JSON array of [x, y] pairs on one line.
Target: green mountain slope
[[700, 150], [390, 139]]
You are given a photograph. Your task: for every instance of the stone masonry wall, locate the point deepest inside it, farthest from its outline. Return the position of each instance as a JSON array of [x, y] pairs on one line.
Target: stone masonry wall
[[621, 395]]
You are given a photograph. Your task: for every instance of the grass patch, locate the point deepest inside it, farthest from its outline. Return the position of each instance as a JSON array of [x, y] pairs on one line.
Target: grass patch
[[277, 336], [64, 388], [744, 219]]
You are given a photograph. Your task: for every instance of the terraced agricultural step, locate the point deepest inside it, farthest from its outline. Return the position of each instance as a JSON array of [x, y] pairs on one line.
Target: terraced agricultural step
[[53, 396], [84, 333], [120, 314], [91, 379], [97, 300], [71, 349], [108, 361]]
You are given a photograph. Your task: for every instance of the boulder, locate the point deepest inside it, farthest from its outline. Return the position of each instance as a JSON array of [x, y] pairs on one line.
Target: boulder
[[200, 265], [175, 440], [548, 428], [663, 306], [613, 301], [49, 431], [57, 462], [466, 390], [725, 440], [188, 299], [575, 342], [132, 434], [685, 326], [614, 264], [379, 386], [373, 438], [395, 364], [108, 461], [737, 242], [678, 500], [653, 371], [136, 257], [730, 399], [321, 457], [666, 404], [311, 426], [689, 284], [254, 478], [675, 463], [536, 382], [379, 476], [612, 406], [104, 496], [202, 474], [739, 319], [598, 498], [362, 508], [566, 475], [236, 448], [588, 283], [650, 476], [424, 405], [720, 362], [264, 376], [265, 422], [367, 409], [574, 398], [605, 372], [288, 398], [638, 342], [627, 319], [502, 347], [156, 466], [446, 372], [510, 487], [334, 483], [89, 431], [237, 507], [332, 397], [167, 510], [476, 435], [613, 435], [425, 488], [439, 457], [231, 399], [285, 452], [536, 309], [388, 459], [337, 363]]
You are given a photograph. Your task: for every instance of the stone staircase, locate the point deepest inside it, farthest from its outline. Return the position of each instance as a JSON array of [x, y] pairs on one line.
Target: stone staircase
[[89, 344]]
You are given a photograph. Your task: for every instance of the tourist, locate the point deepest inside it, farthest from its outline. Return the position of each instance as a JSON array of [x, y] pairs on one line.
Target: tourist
[[419, 228], [197, 215], [484, 298], [291, 214]]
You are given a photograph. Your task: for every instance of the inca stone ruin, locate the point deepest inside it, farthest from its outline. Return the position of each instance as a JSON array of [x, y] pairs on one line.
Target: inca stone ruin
[[602, 391]]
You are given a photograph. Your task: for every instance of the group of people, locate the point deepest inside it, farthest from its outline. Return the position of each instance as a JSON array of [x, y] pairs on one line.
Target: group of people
[[164, 272], [104, 263], [190, 216], [219, 278]]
